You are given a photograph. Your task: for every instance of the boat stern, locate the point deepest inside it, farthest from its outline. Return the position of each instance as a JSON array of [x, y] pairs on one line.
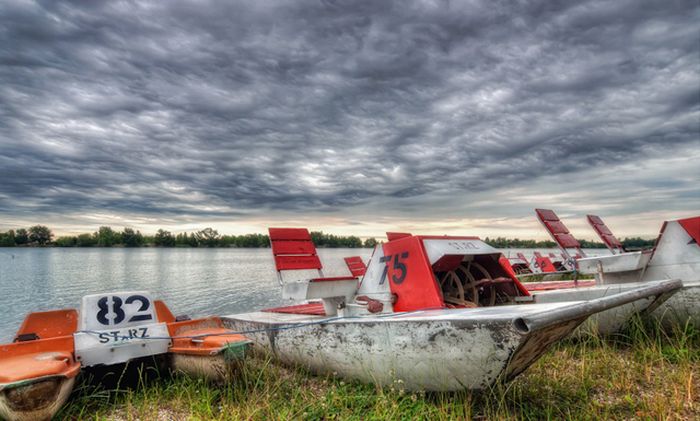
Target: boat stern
[[203, 348], [36, 377]]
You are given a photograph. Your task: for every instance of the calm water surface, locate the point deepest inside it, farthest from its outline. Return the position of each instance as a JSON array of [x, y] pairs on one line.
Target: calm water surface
[[191, 281], [196, 282]]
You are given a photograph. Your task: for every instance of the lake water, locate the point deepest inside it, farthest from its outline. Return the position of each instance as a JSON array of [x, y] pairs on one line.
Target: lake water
[[195, 282]]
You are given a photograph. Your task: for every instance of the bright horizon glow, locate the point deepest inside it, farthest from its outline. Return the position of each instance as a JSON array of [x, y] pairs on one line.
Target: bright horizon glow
[[522, 228]]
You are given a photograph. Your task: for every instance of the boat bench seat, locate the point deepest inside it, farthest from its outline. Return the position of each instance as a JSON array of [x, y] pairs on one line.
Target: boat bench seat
[[185, 341], [356, 266], [48, 324], [34, 359], [31, 366], [206, 345], [335, 278], [294, 249]]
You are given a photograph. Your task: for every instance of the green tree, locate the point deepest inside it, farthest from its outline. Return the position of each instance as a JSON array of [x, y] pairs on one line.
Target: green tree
[[7, 239], [106, 237], [208, 237], [86, 240], [635, 243], [181, 239], [370, 243], [67, 241], [352, 241], [252, 240], [40, 234], [164, 239], [131, 238], [21, 237]]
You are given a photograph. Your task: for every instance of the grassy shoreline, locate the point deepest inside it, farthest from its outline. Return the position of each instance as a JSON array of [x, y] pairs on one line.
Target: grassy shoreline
[[635, 375]]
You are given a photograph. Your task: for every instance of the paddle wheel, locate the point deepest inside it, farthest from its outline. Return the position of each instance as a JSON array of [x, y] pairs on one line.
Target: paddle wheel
[[469, 285]]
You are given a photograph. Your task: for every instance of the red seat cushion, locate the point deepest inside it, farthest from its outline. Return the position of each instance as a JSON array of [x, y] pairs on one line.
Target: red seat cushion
[[336, 278]]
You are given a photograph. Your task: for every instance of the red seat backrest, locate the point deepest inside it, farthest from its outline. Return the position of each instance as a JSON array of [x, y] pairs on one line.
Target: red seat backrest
[[356, 265], [49, 324], [560, 234], [163, 312], [391, 236], [293, 249], [604, 233]]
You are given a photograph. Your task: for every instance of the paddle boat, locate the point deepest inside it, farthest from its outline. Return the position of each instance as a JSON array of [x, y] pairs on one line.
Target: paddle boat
[[430, 312], [676, 255], [38, 370], [520, 264]]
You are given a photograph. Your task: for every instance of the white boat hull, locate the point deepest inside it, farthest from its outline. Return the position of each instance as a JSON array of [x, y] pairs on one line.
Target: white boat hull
[[438, 350], [440, 353], [675, 310], [681, 309]]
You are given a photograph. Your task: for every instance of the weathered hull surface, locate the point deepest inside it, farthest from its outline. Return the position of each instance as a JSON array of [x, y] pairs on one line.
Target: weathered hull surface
[[677, 309], [35, 400], [681, 309], [442, 352], [203, 348], [439, 350], [218, 366], [215, 368]]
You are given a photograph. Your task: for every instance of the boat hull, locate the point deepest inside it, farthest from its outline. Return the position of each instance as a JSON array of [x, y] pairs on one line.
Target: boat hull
[[38, 399], [440, 353], [681, 309], [437, 350], [671, 311], [203, 348], [218, 367]]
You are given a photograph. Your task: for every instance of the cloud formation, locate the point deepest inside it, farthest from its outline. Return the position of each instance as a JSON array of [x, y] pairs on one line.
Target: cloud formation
[[178, 111]]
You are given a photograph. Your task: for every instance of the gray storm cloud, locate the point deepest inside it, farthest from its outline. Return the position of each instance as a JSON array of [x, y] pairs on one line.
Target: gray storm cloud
[[226, 108]]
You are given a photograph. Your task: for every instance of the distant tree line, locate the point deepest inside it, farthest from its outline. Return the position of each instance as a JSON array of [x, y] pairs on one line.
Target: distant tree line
[[502, 243], [40, 235]]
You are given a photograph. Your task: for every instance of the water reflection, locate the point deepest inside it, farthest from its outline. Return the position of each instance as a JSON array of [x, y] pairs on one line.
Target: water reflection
[[191, 281]]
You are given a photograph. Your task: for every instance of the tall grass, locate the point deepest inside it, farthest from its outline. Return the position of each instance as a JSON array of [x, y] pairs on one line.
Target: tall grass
[[643, 373]]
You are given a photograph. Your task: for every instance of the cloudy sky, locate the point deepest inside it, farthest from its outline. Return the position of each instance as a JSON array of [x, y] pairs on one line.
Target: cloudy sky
[[348, 116]]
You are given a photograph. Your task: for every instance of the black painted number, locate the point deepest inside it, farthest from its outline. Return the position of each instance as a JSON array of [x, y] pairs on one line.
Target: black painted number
[[144, 307], [398, 265], [104, 310], [118, 311]]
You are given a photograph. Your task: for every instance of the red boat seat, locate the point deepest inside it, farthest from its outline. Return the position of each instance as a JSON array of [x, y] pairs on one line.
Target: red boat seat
[[558, 231], [314, 308], [356, 266], [332, 278], [163, 312], [214, 336], [48, 324], [552, 285], [293, 249], [29, 360], [611, 242]]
